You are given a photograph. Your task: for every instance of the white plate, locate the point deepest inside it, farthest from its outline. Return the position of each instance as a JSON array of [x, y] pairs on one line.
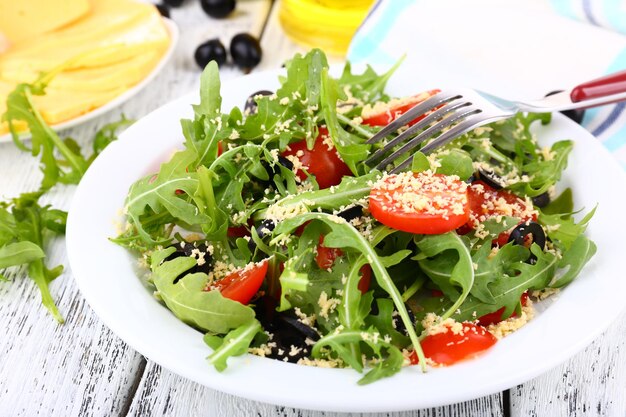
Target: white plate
[[106, 275], [122, 98]]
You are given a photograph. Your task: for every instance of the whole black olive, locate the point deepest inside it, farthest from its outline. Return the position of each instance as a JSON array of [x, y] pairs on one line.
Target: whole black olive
[[542, 200], [576, 114], [173, 3], [250, 106], [163, 9], [246, 51], [218, 8], [518, 235], [211, 50]]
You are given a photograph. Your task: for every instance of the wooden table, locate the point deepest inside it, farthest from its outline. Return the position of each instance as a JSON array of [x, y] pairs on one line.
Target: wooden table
[[82, 369]]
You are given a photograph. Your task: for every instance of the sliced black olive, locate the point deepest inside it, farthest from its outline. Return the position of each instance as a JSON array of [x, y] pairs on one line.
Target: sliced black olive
[[542, 200], [250, 106], [218, 8], [351, 213], [211, 50], [518, 235], [576, 115], [173, 3], [303, 329], [163, 9], [246, 51], [490, 178], [195, 250], [261, 231], [399, 324], [288, 333], [273, 170]]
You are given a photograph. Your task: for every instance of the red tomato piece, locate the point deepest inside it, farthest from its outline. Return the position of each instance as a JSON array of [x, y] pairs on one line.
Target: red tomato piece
[[421, 203], [322, 161], [449, 347], [238, 231], [325, 258], [241, 285], [496, 316], [487, 202], [394, 111]]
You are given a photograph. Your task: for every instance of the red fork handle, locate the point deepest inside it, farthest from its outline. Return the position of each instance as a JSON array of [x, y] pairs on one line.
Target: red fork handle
[[601, 87]]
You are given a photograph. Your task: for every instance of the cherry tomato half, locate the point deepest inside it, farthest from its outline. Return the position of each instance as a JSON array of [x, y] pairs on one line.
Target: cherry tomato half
[[322, 161], [392, 112], [421, 203], [448, 348], [487, 202], [241, 285], [325, 258]]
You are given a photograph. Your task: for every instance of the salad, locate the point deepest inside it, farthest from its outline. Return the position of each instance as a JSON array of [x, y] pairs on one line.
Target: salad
[[270, 234]]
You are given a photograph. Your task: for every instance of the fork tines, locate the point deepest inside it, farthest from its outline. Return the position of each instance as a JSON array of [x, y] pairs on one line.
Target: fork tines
[[438, 112]]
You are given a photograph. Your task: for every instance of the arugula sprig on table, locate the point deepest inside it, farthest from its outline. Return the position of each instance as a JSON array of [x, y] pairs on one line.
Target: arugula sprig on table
[[25, 225]]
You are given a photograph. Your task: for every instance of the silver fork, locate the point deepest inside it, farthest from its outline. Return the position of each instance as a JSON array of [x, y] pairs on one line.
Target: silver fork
[[466, 109]]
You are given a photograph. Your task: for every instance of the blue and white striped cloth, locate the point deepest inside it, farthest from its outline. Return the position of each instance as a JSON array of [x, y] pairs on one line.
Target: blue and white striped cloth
[[515, 48]]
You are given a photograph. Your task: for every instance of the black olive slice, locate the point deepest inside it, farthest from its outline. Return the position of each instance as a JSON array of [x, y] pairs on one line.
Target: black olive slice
[[541, 200], [518, 235], [272, 170], [490, 178], [351, 213], [303, 329], [195, 250], [250, 106], [261, 231]]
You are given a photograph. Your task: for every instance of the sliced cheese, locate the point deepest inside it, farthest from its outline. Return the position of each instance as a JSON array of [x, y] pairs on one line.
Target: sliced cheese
[[60, 105], [26, 19], [120, 74], [119, 36]]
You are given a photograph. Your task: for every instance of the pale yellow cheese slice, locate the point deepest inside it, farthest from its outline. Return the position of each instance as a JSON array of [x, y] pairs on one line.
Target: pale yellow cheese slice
[[120, 74], [26, 19], [60, 105], [101, 40]]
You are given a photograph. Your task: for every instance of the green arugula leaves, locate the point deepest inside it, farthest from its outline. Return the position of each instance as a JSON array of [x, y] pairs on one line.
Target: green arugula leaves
[[25, 225]]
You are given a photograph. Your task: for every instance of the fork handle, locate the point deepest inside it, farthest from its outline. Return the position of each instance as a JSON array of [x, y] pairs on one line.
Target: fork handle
[[600, 87]]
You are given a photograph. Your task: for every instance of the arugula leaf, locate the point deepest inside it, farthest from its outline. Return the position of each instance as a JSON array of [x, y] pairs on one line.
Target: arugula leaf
[[388, 364], [488, 270], [343, 235], [351, 148], [450, 253], [186, 298], [44, 140], [235, 343], [210, 98], [24, 229], [160, 194], [573, 261], [562, 228]]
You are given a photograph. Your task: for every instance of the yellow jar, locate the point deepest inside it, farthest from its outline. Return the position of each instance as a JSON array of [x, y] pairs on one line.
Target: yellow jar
[[325, 24]]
